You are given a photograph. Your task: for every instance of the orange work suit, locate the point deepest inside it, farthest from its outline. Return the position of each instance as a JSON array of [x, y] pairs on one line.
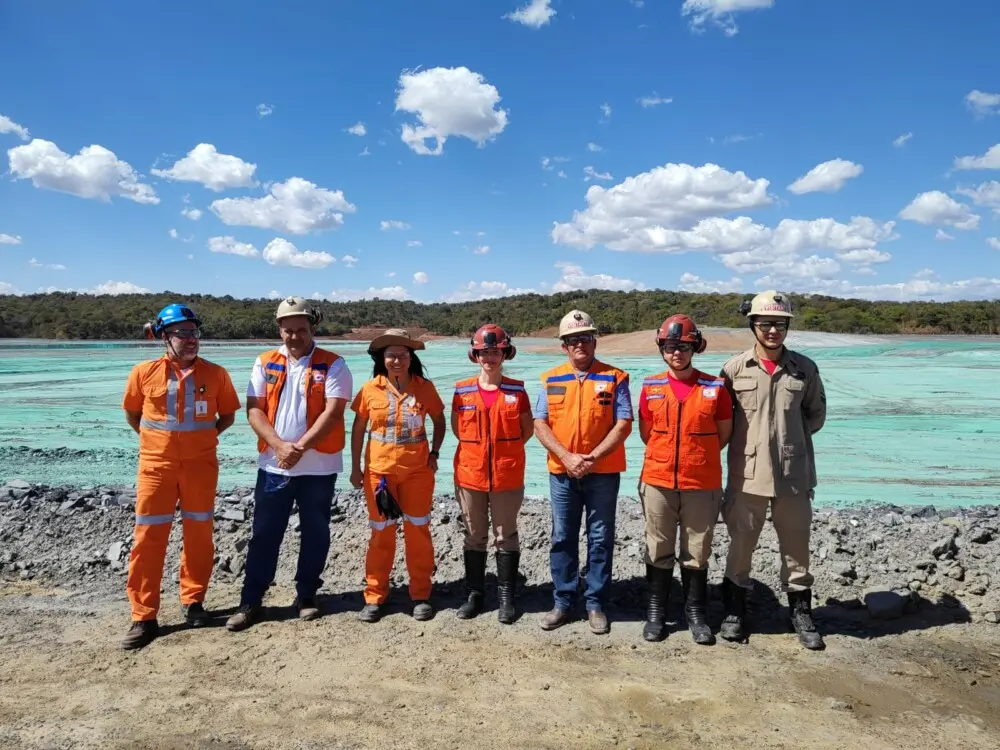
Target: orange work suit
[[177, 461], [397, 449]]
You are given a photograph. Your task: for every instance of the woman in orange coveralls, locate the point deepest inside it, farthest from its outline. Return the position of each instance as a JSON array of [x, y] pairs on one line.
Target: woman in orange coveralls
[[398, 476]]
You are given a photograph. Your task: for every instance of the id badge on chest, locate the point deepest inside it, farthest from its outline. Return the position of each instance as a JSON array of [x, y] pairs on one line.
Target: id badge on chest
[[201, 408]]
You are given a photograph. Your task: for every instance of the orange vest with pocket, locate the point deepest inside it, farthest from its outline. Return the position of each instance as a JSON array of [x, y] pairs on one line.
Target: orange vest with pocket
[[683, 451], [275, 371], [581, 414], [490, 455]]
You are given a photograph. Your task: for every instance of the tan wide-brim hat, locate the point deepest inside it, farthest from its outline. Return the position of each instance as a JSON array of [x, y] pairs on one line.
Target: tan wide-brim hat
[[394, 337]]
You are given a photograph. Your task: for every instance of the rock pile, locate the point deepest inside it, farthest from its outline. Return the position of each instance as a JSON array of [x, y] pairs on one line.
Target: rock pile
[[883, 561]]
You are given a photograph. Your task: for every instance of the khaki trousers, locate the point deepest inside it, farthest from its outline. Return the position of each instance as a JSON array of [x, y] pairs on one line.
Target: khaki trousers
[[478, 508], [792, 518], [695, 511]]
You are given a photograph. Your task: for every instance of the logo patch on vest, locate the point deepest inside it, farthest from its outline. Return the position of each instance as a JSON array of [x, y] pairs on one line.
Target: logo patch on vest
[[466, 407], [600, 387], [510, 398], [710, 392], [319, 377], [271, 377]]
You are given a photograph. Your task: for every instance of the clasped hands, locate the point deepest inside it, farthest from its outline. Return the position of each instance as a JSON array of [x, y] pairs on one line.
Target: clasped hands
[[288, 454], [579, 465]]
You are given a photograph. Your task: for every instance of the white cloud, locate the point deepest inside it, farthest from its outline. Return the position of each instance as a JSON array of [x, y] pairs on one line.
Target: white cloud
[[547, 162], [8, 288], [263, 110], [108, 287], [591, 174], [942, 236], [190, 256], [654, 100], [449, 102], [989, 160], [273, 294], [720, 12], [191, 213], [420, 278], [281, 252], [993, 242], [934, 208], [365, 152], [828, 177], [206, 166], [349, 261], [295, 206], [474, 290], [923, 286], [230, 246], [7, 239], [901, 140], [606, 110], [390, 275], [594, 148], [173, 233], [573, 278], [982, 103], [95, 172], [393, 224], [414, 243], [385, 292], [7, 125], [482, 250], [562, 174], [358, 129], [691, 283], [35, 263], [987, 195], [534, 15]]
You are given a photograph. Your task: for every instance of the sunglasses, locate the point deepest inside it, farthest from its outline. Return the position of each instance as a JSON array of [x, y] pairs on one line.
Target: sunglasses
[[186, 333], [578, 340], [682, 347], [397, 357], [779, 325]]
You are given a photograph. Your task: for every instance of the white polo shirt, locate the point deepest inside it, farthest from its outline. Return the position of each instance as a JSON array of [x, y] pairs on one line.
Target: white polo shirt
[[290, 421]]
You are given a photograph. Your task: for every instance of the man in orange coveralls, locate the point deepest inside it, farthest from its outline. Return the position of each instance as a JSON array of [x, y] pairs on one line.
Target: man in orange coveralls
[[178, 404]]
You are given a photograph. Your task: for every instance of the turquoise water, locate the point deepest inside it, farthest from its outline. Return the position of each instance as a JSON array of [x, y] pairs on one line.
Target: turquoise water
[[911, 421]]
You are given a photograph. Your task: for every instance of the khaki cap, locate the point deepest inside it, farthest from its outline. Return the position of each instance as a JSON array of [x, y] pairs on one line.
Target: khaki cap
[[298, 306], [576, 321], [394, 337], [771, 303]]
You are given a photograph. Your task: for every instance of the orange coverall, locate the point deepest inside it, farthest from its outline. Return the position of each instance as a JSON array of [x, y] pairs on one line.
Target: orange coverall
[[177, 460], [397, 449]]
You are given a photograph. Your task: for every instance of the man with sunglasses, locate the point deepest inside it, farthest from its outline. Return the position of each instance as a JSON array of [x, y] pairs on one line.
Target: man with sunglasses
[[779, 403], [178, 405], [582, 417]]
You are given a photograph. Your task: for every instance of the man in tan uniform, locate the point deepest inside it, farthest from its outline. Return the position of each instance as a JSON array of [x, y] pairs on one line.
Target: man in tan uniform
[[778, 404]]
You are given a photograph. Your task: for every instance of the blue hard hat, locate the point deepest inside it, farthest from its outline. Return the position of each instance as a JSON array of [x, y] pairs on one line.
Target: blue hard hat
[[175, 313]]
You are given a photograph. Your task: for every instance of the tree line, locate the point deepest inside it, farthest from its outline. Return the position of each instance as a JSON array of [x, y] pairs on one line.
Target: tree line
[[80, 316]]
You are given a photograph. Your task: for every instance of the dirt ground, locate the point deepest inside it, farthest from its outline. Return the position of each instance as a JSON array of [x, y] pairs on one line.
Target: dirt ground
[[339, 683]]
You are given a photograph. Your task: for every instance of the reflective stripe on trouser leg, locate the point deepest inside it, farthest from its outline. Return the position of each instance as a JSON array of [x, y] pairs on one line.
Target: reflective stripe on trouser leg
[[791, 516], [699, 510], [381, 543], [156, 500], [416, 495], [744, 515], [198, 481]]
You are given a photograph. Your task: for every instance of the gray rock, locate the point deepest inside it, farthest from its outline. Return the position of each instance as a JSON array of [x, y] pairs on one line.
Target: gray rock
[[115, 552], [992, 617], [18, 484], [980, 536], [891, 519], [844, 569], [943, 546], [884, 605], [234, 514]]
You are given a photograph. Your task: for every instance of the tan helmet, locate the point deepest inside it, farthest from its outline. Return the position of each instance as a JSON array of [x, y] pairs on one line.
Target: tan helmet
[[298, 306], [771, 303], [574, 322]]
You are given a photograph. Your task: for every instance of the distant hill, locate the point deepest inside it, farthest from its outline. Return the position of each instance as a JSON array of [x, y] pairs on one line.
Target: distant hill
[[78, 316]]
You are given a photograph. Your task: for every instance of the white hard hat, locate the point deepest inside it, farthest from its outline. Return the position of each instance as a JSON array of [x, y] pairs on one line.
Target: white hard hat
[[576, 321]]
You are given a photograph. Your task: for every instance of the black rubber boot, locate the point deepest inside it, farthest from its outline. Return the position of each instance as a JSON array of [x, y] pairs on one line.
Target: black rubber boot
[[507, 563], [695, 602], [658, 580], [800, 611], [475, 584], [735, 599]]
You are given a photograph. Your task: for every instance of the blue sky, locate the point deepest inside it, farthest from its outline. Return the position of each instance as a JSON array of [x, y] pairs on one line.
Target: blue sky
[[845, 147]]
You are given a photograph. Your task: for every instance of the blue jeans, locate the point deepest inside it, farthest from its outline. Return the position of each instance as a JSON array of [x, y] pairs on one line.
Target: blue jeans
[[598, 495], [272, 507]]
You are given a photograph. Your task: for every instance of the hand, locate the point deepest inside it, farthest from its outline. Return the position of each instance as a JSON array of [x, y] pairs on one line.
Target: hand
[[432, 463], [357, 478], [578, 465], [288, 454]]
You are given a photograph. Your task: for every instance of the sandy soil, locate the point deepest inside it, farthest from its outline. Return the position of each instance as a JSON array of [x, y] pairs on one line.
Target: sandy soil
[[338, 683], [728, 340]]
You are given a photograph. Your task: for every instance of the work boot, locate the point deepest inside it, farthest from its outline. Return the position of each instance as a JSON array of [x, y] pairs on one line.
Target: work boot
[[695, 602], [370, 613], [800, 610], [243, 619], [735, 600], [195, 615], [423, 611], [598, 622], [507, 563], [308, 608], [656, 611], [140, 634], [555, 619], [475, 584]]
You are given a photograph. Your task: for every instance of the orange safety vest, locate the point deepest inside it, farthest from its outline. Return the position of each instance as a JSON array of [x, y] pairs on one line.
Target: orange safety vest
[[683, 451], [274, 376], [582, 413], [490, 455]]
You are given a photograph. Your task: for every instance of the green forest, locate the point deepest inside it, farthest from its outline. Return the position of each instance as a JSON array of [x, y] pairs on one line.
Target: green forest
[[79, 316]]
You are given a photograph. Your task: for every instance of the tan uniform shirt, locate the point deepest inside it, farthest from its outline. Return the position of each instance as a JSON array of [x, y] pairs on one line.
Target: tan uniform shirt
[[774, 418]]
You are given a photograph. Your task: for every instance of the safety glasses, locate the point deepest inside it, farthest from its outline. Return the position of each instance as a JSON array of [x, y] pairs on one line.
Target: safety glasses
[[779, 325], [186, 333], [677, 346], [579, 340]]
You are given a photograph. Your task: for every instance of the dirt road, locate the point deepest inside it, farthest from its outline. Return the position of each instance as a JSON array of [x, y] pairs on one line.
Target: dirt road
[[338, 683]]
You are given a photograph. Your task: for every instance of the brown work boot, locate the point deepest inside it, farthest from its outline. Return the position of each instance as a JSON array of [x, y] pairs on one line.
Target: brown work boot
[[140, 634], [555, 619], [243, 619], [308, 608], [598, 622]]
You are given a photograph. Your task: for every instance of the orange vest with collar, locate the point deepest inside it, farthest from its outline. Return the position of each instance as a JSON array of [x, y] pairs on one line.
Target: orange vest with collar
[[490, 455]]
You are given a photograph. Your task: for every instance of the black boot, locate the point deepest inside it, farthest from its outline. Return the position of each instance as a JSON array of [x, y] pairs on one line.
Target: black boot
[[475, 584], [800, 610], [507, 563], [695, 602], [735, 599], [656, 610]]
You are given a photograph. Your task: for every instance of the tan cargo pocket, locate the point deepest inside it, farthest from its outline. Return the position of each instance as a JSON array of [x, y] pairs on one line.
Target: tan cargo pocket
[[792, 392], [749, 463], [746, 394]]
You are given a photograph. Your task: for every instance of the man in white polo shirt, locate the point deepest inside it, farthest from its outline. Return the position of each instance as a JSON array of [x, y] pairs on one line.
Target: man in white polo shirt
[[295, 404]]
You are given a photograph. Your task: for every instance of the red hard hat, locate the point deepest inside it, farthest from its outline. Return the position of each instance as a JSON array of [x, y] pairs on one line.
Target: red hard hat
[[491, 336], [681, 328]]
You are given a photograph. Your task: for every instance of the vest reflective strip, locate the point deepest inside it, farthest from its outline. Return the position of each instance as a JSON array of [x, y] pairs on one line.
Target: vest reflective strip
[[711, 383], [511, 387], [601, 376], [172, 395], [382, 525], [151, 424], [418, 520], [141, 520], [560, 378], [186, 423], [197, 515], [467, 389], [385, 437], [656, 381]]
